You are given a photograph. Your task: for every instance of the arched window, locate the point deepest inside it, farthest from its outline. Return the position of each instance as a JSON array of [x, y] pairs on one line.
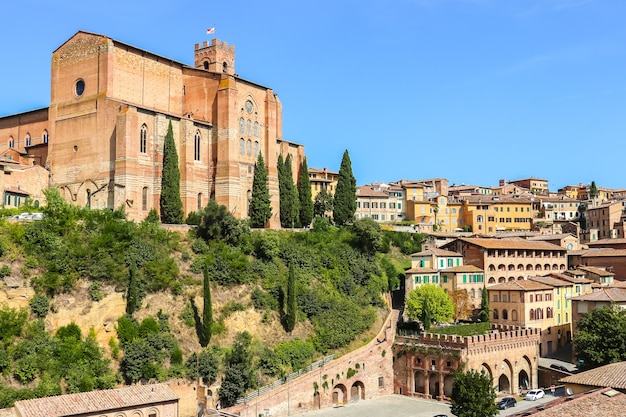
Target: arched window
[[479, 219], [549, 313], [532, 314], [492, 280], [45, 136], [88, 198], [144, 198], [514, 315], [256, 148], [539, 314], [196, 146], [511, 267], [249, 147], [505, 314], [206, 65], [11, 142], [492, 268], [495, 314], [143, 138], [473, 293], [28, 139], [256, 129], [199, 201], [537, 267], [225, 67], [249, 127]]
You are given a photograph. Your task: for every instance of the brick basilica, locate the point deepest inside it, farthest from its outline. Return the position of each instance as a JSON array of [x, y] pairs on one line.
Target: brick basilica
[[101, 139]]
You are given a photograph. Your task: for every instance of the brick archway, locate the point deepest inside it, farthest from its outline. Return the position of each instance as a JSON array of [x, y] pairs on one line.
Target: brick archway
[[357, 391], [340, 394], [419, 382]]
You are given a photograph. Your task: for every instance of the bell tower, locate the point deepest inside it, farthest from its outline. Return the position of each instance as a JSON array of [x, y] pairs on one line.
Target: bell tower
[[216, 57]]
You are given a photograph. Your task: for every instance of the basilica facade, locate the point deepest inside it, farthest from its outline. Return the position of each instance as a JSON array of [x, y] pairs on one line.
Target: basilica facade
[[101, 139]]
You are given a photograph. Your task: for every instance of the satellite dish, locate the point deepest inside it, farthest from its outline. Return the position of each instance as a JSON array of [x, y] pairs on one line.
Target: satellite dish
[[569, 391]]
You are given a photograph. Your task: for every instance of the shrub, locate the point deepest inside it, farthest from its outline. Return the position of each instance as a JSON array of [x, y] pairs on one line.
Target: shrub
[[5, 271], [230, 307], [95, 290], [40, 305]]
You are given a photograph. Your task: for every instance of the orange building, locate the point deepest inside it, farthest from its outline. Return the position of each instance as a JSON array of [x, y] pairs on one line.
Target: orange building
[[110, 108]]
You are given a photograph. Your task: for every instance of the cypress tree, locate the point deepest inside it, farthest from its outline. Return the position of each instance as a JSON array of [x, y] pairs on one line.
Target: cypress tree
[[207, 313], [344, 204], [305, 195], [170, 202], [260, 209], [283, 193], [292, 308], [292, 190], [132, 292], [484, 305], [593, 190]]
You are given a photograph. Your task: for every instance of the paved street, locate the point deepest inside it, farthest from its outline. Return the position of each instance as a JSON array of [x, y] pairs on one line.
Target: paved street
[[402, 406]]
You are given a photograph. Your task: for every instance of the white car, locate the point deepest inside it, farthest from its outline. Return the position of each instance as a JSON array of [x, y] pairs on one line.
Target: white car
[[535, 394]]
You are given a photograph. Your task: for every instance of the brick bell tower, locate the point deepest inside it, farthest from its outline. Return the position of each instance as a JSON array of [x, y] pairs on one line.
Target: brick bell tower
[[217, 57]]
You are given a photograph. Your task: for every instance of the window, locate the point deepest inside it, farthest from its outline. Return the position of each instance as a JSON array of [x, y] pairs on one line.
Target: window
[[11, 142], [505, 314], [495, 297], [256, 129], [249, 127], [450, 262], [199, 201], [27, 139], [241, 146], [256, 148], [249, 147], [143, 138], [196, 146], [144, 198], [241, 126], [381, 382], [495, 314], [45, 136]]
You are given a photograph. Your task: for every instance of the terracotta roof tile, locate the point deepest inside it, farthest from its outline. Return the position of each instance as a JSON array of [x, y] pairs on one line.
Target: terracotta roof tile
[[596, 271], [612, 375], [463, 268], [554, 282], [437, 252], [604, 252], [522, 244], [422, 271], [95, 401], [607, 294], [523, 285], [594, 403]]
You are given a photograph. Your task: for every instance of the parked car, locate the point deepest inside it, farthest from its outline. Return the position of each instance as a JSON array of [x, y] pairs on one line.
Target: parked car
[[506, 402], [559, 367], [535, 394]]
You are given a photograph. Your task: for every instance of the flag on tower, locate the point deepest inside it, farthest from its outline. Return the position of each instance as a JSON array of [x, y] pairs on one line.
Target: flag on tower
[[210, 31]]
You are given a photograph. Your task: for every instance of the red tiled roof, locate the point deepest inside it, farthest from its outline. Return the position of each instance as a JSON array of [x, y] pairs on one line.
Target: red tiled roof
[[422, 271], [462, 268], [603, 252], [520, 285], [607, 294], [604, 402], [522, 244], [612, 375], [596, 271], [437, 252], [95, 401], [554, 282]]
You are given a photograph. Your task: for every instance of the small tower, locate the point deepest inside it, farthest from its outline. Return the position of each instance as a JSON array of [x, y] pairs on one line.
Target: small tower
[[217, 57]]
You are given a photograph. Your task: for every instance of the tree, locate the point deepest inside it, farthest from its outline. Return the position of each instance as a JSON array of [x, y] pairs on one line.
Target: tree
[[132, 293], [170, 202], [461, 301], [217, 223], [304, 193], [292, 307], [260, 209], [344, 204], [484, 305], [287, 192], [294, 200], [369, 236], [323, 203], [429, 303], [473, 395], [239, 375], [593, 190], [207, 312], [601, 336]]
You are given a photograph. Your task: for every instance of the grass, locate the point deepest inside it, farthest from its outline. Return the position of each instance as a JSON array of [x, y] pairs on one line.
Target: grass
[[463, 329]]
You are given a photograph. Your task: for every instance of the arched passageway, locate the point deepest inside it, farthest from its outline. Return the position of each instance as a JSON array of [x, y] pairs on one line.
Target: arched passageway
[[419, 382], [523, 380], [357, 391], [433, 385], [504, 385], [340, 394]]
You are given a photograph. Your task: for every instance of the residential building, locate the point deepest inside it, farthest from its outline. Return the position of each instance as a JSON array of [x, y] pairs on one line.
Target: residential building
[[468, 278], [322, 179], [604, 297], [510, 259], [611, 260], [110, 108], [489, 215], [437, 214], [558, 209], [380, 202], [604, 221], [468, 190], [425, 267], [564, 240], [600, 276], [607, 376], [535, 185]]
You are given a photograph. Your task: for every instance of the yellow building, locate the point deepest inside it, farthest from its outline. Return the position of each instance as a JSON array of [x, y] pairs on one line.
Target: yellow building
[[322, 179], [489, 215], [436, 214]]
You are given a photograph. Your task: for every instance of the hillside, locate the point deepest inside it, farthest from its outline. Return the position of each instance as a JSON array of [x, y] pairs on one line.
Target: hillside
[[75, 268]]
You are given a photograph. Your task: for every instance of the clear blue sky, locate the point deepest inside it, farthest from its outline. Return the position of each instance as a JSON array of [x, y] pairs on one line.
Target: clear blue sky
[[469, 90]]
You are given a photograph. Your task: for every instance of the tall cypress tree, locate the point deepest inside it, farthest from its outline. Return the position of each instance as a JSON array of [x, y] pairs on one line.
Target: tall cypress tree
[[170, 202], [344, 204], [283, 193], [260, 209], [304, 193], [207, 312], [292, 190], [132, 292], [484, 305], [292, 308]]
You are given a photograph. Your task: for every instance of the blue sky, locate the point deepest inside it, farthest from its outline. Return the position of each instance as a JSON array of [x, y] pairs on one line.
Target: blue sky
[[469, 90]]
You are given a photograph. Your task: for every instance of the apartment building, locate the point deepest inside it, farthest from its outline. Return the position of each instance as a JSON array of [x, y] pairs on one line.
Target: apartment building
[[535, 185], [558, 209], [426, 265], [605, 221], [489, 215], [380, 202], [322, 179], [510, 259]]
